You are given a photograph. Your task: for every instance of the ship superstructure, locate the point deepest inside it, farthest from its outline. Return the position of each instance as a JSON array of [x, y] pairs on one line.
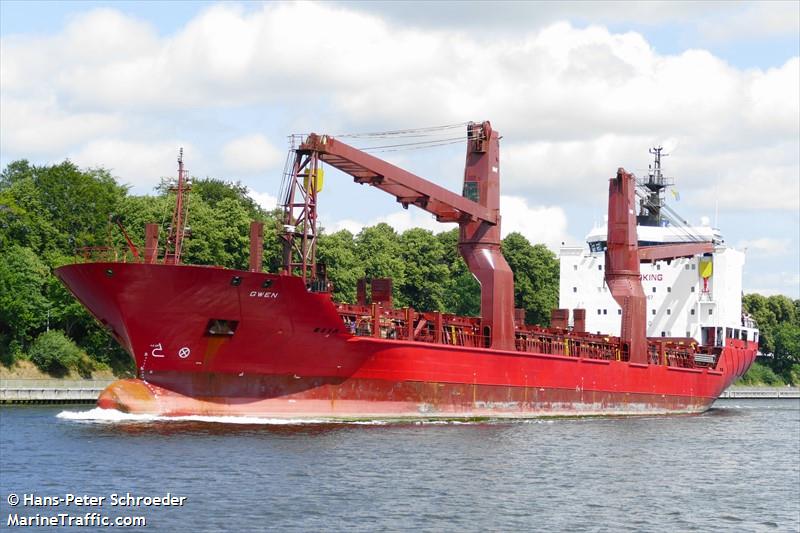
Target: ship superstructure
[[697, 297]]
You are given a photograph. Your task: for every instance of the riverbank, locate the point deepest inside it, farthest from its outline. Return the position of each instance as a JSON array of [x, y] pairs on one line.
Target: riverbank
[[761, 392], [63, 390], [24, 383]]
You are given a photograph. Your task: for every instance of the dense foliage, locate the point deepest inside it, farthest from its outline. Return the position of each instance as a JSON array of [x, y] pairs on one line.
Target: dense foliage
[[778, 319], [48, 212]]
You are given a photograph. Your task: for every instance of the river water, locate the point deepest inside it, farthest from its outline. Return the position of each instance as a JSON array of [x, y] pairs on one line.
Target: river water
[[734, 468]]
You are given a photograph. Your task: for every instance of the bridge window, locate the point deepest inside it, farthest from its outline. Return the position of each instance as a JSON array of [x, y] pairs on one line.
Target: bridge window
[[691, 312], [654, 289], [599, 267], [599, 312], [619, 311], [574, 289], [669, 289], [605, 311], [693, 288], [710, 312], [654, 311], [669, 311]]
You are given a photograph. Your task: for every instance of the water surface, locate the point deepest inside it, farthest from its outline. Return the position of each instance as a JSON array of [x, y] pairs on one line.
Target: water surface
[[734, 468]]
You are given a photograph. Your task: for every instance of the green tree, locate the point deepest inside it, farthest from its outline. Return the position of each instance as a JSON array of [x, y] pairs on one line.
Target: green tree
[[462, 294], [535, 277], [338, 253], [425, 270], [23, 305], [378, 249], [778, 322], [786, 361], [58, 207]]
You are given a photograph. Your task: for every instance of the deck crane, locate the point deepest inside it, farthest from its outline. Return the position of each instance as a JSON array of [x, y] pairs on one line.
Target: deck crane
[[623, 257], [477, 212]]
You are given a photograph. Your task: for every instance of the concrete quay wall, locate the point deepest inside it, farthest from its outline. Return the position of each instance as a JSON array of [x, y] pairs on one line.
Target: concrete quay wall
[[87, 391]]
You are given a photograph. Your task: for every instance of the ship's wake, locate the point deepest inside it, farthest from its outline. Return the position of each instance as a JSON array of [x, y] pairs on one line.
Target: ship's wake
[[110, 416]]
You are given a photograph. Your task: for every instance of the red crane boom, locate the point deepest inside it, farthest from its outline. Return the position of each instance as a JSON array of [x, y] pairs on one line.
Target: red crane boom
[[477, 211]]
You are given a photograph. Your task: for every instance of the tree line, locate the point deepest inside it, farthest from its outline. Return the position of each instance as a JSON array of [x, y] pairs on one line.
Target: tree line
[[49, 212]]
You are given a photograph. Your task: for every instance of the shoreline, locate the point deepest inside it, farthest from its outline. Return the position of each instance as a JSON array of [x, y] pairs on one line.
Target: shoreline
[[86, 391]]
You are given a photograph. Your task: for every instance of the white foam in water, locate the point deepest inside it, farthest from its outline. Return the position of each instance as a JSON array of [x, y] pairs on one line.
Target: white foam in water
[[112, 415]]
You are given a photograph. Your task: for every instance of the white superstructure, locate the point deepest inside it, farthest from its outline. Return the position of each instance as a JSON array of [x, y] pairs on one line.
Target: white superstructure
[[679, 301], [698, 297]]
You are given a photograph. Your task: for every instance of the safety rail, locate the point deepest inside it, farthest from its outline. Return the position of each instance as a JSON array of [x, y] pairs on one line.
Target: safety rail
[[104, 254], [442, 328]]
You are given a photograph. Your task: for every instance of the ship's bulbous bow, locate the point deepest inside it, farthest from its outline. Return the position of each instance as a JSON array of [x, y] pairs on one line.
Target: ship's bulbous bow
[[132, 396]]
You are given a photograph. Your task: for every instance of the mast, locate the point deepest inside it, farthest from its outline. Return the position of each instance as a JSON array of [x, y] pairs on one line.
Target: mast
[[300, 217], [177, 230], [650, 206]]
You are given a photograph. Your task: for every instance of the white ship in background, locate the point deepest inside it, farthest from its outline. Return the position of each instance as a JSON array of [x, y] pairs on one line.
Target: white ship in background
[[696, 298]]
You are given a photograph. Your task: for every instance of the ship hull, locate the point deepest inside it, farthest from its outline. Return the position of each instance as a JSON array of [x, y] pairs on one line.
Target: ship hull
[[359, 399], [287, 354]]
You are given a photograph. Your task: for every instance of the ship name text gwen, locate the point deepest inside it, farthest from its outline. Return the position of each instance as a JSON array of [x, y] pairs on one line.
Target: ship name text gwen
[[263, 294]]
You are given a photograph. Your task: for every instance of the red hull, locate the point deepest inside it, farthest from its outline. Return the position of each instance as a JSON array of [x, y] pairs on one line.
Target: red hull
[[291, 356]]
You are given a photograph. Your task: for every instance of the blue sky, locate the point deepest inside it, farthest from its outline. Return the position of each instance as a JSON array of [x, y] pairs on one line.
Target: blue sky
[[575, 88]]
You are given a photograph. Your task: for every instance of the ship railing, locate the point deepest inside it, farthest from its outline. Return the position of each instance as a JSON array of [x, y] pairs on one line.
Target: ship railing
[[104, 254], [589, 347], [405, 324]]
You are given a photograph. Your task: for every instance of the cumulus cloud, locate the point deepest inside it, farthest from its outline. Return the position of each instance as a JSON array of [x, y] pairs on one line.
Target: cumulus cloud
[[250, 154], [401, 221], [766, 246], [573, 103], [539, 224], [769, 283], [265, 200], [138, 164], [754, 20]]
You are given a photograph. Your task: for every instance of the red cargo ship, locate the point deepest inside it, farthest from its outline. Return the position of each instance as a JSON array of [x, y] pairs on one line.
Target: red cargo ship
[[216, 341]]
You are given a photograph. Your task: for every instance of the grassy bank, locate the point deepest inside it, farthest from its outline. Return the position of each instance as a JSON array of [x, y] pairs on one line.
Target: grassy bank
[[761, 375]]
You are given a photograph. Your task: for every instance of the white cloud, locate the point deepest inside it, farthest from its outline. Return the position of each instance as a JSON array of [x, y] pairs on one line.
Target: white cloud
[[766, 246], [265, 200], [39, 127], [137, 163], [769, 283], [753, 20], [539, 224], [250, 154], [573, 103], [401, 221]]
